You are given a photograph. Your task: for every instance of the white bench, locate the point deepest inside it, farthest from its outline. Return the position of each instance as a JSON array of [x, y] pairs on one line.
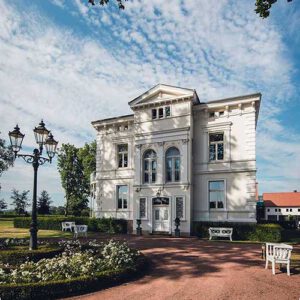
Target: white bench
[[220, 232], [80, 230], [65, 226], [280, 254]]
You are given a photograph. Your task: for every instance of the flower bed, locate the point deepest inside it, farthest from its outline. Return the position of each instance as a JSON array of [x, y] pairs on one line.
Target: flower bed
[[80, 268]]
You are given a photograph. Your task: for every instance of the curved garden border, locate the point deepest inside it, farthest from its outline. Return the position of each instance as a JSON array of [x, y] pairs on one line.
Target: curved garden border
[[72, 287]]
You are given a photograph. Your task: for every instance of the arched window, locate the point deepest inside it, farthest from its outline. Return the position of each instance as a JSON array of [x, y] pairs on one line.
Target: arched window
[[150, 166], [172, 165]]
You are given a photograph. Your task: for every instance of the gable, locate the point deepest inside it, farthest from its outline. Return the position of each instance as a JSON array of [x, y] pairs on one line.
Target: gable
[[162, 92]]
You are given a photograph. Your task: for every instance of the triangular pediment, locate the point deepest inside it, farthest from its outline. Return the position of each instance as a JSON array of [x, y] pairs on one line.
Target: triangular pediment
[[162, 92]]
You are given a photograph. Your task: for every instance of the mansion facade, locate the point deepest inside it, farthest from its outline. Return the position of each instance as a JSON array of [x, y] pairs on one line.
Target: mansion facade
[[176, 156]]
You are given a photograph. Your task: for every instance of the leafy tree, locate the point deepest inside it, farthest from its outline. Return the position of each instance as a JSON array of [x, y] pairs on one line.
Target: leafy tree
[[20, 201], [73, 179], [87, 156], [43, 205], [104, 2], [263, 7], [3, 205], [57, 210]]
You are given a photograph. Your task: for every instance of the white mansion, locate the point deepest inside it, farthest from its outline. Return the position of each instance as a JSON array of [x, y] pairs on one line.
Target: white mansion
[[176, 156]]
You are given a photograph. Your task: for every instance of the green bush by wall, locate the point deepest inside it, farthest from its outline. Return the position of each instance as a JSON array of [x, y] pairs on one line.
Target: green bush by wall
[[105, 225], [243, 231]]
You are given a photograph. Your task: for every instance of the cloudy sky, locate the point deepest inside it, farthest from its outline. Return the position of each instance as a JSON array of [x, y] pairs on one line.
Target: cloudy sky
[[69, 63]]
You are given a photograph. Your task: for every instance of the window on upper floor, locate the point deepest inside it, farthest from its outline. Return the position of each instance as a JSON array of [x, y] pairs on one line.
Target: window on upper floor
[[167, 111], [122, 196], [161, 112], [216, 192], [287, 209], [154, 114], [221, 113], [172, 165], [268, 209], [276, 209], [211, 114], [123, 156], [216, 146], [149, 166]]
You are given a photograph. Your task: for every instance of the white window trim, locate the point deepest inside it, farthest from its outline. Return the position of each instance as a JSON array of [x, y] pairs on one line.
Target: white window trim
[[225, 195], [224, 149], [184, 207], [164, 112], [117, 158], [146, 209], [117, 198]]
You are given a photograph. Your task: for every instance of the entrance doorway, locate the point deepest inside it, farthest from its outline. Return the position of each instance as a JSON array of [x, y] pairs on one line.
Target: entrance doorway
[[161, 214]]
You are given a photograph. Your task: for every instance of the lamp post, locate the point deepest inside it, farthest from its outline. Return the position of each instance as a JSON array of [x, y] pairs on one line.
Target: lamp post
[[43, 138]]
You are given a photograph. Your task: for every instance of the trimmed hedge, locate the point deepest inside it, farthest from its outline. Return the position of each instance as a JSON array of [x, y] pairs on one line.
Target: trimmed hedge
[[71, 287], [105, 225], [242, 231], [18, 255]]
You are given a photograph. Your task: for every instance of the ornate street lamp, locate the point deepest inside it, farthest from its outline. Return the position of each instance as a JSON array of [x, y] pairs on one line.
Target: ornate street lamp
[[43, 138]]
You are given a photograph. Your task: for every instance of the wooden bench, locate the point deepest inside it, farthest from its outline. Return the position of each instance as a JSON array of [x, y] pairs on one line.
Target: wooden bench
[[220, 232]]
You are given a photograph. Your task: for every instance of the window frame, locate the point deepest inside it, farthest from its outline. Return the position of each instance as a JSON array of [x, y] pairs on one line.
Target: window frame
[[139, 208], [216, 147], [184, 207], [122, 153], [117, 197], [150, 166], [173, 167], [224, 191], [164, 112]]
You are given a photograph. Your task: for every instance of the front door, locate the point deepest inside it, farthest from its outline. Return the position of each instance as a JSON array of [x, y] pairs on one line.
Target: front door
[[161, 218]]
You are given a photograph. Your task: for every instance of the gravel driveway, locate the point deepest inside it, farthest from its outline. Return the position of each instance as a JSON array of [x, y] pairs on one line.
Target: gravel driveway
[[189, 268]]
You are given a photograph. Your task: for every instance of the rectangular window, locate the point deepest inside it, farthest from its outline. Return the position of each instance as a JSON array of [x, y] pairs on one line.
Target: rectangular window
[[221, 113], [154, 114], [167, 111], [268, 209], [276, 209], [143, 208], [122, 196], [180, 207], [216, 146], [287, 209], [216, 194], [160, 113], [279, 209], [123, 155], [211, 114]]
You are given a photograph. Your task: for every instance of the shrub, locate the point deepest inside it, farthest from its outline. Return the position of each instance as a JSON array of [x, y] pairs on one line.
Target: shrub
[[19, 254], [105, 225], [242, 231]]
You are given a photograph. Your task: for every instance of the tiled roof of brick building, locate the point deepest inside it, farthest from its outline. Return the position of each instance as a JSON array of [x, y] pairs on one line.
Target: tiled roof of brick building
[[282, 199]]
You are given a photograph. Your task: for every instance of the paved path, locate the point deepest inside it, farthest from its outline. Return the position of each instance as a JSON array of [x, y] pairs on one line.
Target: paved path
[[188, 268]]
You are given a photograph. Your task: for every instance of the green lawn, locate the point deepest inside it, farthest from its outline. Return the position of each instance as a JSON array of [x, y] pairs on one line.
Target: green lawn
[[7, 230]]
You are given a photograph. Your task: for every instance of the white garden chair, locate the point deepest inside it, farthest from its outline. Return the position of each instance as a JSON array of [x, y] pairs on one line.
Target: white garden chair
[[278, 254], [80, 230], [65, 226]]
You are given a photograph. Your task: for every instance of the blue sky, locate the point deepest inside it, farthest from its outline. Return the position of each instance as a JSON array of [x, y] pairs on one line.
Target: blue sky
[[69, 64]]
